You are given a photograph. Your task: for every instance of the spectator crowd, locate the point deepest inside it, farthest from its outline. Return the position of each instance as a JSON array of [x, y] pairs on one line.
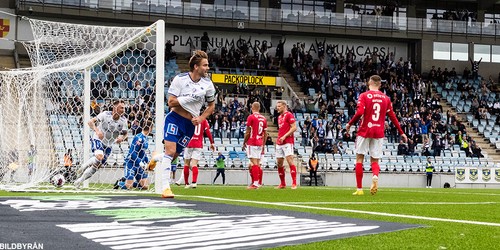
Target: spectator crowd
[[333, 81]]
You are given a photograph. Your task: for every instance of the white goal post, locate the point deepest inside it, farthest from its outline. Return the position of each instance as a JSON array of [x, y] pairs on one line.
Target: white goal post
[[77, 70]]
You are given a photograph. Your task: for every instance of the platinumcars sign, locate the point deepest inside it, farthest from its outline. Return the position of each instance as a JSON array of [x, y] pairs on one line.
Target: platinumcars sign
[[246, 79]]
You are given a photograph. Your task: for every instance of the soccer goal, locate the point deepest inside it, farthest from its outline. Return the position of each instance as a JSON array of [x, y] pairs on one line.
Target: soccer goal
[[77, 71]]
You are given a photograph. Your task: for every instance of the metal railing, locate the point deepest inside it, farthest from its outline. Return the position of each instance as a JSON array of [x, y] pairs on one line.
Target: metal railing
[[176, 8], [239, 71]]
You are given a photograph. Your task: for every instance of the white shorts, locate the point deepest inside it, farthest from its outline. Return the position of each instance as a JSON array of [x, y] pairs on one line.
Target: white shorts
[[192, 153], [284, 150], [254, 152], [369, 145]]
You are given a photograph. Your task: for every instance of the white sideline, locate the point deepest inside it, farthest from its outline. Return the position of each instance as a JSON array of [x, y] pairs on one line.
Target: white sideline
[[349, 211], [388, 202]]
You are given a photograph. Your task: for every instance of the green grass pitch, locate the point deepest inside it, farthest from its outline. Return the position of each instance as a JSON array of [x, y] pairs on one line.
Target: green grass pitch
[[451, 218]]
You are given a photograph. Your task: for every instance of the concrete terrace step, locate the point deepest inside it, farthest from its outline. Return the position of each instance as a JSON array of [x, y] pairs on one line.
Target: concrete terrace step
[[481, 141], [7, 62]]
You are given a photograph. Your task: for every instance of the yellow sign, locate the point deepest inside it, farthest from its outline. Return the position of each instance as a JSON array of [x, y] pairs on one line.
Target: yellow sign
[[249, 80], [4, 27]]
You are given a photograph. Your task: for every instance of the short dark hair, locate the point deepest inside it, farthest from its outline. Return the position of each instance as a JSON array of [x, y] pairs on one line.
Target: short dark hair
[[376, 78], [147, 125], [196, 59]]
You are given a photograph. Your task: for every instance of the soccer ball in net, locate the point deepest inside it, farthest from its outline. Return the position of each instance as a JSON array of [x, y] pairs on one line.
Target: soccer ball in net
[[58, 180]]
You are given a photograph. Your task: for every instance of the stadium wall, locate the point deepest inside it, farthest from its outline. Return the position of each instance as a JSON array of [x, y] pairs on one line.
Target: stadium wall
[[420, 51], [8, 27], [185, 40], [336, 179], [486, 69]]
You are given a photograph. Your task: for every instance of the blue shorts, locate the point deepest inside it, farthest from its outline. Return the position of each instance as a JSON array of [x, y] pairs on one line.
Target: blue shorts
[[98, 145], [178, 129], [134, 171]]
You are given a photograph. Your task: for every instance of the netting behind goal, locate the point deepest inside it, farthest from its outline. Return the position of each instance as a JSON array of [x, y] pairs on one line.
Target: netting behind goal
[[77, 71]]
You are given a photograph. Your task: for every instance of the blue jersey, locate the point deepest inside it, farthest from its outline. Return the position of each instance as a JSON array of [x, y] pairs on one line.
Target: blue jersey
[[137, 151]]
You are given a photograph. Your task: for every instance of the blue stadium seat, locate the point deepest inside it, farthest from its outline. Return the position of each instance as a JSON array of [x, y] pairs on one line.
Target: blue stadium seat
[[233, 154]]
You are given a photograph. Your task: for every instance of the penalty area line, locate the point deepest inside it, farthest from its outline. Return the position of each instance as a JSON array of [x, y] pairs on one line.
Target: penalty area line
[[349, 211]]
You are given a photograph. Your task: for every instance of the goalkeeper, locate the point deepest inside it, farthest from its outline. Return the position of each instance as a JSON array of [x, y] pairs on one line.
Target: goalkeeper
[[137, 161], [112, 128]]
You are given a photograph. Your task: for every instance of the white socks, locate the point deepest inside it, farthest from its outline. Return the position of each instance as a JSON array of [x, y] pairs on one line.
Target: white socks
[[90, 162], [166, 164]]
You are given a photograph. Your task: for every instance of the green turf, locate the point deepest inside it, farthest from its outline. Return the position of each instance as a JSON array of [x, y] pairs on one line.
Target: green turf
[[407, 201]]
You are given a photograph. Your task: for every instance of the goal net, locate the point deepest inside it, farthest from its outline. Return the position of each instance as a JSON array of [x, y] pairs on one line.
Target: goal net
[[77, 71]]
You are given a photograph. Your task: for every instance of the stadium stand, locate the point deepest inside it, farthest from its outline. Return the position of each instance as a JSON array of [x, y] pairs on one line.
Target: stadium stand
[[326, 87]]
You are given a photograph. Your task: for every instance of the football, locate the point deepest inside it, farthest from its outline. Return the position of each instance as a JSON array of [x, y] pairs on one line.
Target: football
[[58, 180]]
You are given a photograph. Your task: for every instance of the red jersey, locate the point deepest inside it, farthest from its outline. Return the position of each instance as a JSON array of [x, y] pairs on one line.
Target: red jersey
[[285, 121], [258, 126], [197, 138], [373, 105]]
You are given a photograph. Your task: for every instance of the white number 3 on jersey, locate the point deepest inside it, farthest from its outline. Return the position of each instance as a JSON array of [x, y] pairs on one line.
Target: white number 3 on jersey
[[376, 112]]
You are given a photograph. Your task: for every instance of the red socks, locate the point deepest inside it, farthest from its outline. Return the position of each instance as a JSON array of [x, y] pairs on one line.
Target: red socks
[[186, 175], [375, 168], [255, 172], [281, 173], [250, 168], [195, 173], [359, 175], [293, 173]]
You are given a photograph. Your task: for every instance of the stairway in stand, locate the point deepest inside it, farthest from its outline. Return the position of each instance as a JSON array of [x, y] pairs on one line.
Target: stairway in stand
[[272, 128], [182, 61], [24, 61], [7, 62], [293, 84], [481, 141]]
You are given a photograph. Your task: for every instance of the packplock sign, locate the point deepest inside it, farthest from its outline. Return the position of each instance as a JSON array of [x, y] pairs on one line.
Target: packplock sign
[[246, 79]]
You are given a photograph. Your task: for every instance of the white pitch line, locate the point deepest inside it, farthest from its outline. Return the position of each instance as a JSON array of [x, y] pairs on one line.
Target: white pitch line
[[389, 189], [390, 203], [350, 211]]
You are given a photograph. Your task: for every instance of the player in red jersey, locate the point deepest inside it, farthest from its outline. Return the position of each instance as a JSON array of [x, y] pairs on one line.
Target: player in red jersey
[[284, 143], [192, 153], [255, 139], [373, 106]]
